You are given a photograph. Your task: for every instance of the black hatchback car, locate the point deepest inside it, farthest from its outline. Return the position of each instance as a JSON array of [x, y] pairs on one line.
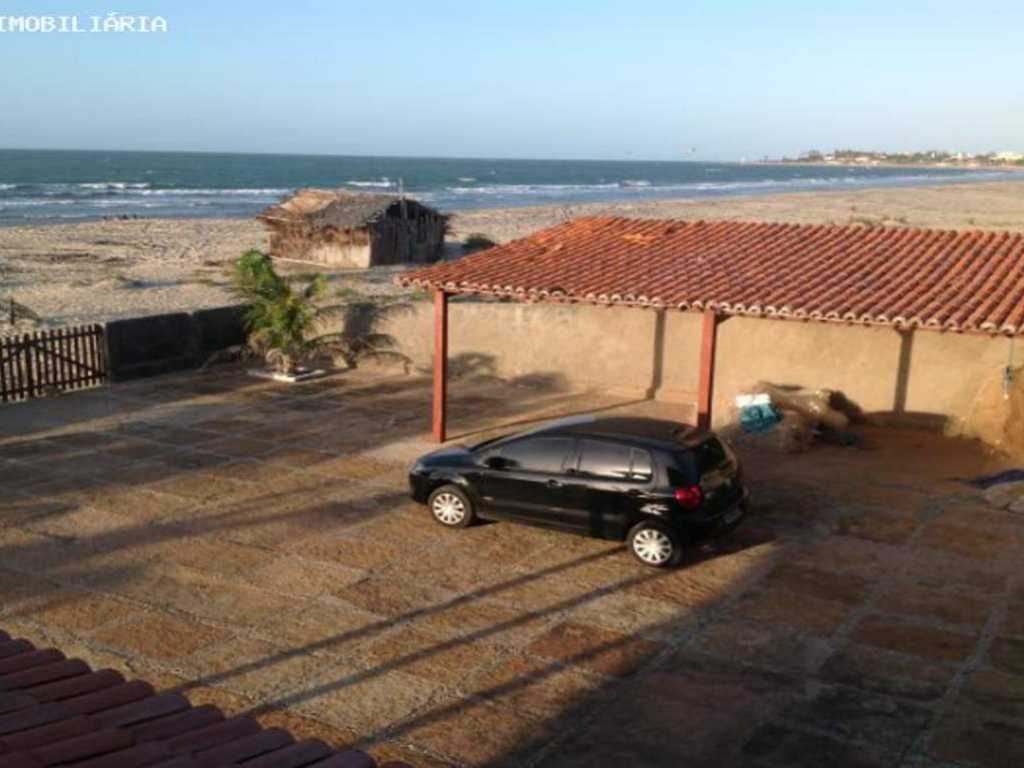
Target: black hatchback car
[[656, 484]]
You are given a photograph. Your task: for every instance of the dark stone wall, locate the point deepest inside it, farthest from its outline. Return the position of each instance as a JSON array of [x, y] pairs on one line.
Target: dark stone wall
[[149, 346]]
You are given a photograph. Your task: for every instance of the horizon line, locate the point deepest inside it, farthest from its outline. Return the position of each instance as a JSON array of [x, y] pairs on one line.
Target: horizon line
[[741, 161]]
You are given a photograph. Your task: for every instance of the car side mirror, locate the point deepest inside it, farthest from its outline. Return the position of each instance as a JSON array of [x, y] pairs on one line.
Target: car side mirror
[[495, 462]]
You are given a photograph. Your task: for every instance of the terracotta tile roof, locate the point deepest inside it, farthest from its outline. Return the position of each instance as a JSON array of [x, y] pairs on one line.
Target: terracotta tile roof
[[942, 280], [57, 711]]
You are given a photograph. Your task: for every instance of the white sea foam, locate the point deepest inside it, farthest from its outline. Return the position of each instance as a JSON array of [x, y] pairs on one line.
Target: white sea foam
[[115, 185], [210, 192], [527, 189], [52, 200], [644, 188]]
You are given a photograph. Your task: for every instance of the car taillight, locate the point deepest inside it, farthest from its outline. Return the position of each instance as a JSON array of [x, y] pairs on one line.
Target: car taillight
[[689, 497]]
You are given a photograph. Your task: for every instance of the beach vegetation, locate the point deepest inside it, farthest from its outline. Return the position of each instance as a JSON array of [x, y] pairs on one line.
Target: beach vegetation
[[281, 315], [290, 324], [477, 241], [13, 312], [348, 293]]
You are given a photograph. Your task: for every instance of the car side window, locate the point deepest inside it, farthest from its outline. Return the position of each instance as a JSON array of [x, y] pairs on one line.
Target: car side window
[[601, 459], [642, 468], [538, 454]]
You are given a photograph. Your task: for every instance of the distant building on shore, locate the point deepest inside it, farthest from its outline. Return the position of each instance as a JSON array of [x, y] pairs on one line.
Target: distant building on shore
[[342, 228], [1009, 157]]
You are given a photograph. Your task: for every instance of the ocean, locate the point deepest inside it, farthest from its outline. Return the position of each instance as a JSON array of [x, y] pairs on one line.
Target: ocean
[[38, 186]]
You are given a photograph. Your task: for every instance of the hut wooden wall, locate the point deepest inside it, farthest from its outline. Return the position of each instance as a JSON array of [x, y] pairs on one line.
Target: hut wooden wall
[[389, 240], [401, 241]]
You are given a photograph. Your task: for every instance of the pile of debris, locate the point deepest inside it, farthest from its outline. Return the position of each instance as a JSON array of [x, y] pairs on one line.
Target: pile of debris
[[788, 419], [1004, 490]]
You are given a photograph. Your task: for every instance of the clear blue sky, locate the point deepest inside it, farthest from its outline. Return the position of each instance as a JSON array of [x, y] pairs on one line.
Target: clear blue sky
[[522, 78]]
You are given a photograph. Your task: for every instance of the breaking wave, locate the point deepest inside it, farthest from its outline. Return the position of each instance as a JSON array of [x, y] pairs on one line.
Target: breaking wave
[[382, 183], [42, 186]]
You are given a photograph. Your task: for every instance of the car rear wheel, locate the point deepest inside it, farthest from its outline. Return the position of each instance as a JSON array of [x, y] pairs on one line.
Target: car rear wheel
[[655, 545], [451, 507]]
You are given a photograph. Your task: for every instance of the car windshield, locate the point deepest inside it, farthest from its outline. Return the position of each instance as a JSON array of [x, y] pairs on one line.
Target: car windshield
[[487, 442]]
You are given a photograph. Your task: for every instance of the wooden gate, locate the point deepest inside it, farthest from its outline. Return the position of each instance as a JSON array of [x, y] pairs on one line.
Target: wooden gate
[[46, 362]]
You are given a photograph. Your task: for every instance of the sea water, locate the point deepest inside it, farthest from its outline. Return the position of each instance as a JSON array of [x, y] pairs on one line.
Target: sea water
[[49, 186]]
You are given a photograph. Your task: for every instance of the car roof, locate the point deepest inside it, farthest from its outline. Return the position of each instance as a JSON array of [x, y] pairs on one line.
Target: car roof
[[660, 433]]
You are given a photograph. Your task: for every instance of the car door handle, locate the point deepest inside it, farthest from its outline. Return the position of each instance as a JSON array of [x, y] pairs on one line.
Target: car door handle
[[634, 492], [554, 484]]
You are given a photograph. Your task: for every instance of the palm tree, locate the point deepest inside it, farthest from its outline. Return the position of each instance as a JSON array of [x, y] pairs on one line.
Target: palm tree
[[285, 321]]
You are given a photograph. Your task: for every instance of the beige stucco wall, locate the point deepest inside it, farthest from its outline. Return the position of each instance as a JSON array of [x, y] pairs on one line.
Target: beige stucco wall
[[341, 254], [618, 349], [575, 347], [861, 362], [941, 375]]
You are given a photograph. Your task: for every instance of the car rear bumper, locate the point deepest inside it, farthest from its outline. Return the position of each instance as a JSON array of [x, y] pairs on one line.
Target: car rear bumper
[[733, 516]]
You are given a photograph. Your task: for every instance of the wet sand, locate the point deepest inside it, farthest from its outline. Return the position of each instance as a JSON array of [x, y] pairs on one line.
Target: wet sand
[[96, 271]]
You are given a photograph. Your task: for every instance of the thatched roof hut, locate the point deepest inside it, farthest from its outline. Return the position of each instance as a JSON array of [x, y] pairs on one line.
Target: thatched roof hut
[[345, 228]]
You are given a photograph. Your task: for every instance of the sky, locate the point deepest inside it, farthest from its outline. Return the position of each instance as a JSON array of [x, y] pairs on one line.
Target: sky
[[573, 79]]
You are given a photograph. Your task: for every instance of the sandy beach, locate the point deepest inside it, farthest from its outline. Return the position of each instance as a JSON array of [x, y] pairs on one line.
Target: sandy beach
[[104, 270]]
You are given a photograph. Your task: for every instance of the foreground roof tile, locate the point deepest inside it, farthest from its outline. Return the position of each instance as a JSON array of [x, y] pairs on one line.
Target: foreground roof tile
[[57, 711], [896, 276]]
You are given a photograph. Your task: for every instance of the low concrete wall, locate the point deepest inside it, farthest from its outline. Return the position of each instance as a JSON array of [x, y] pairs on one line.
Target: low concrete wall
[[156, 344], [924, 377]]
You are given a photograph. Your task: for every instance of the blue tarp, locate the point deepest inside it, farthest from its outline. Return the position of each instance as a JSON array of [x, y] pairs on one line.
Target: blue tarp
[[759, 418]]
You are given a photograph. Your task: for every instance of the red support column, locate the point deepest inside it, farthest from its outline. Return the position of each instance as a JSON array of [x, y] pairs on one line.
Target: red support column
[[440, 418], [707, 369]]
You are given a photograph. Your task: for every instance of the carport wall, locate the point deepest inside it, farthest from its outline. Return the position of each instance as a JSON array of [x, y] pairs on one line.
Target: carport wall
[[909, 375], [635, 353]]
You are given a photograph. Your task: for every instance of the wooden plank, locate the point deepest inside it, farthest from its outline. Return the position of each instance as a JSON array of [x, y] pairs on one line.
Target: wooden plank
[[94, 357], [52, 367], [54, 374], [13, 376], [22, 359], [62, 364], [29, 386], [101, 342], [3, 371], [707, 368], [440, 414], [67, 351], [85, 372], [79, 355], [38, 365]]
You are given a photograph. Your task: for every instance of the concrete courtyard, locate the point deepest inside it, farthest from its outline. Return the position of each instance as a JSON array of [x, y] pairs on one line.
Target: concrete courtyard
[[252, 545]]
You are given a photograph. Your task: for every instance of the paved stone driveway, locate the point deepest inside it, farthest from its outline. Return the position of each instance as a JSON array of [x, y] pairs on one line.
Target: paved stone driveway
[[252, 546]]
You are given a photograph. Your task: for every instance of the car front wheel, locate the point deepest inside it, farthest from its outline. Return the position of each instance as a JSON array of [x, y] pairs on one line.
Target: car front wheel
[[655, 545], [451, 507]]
